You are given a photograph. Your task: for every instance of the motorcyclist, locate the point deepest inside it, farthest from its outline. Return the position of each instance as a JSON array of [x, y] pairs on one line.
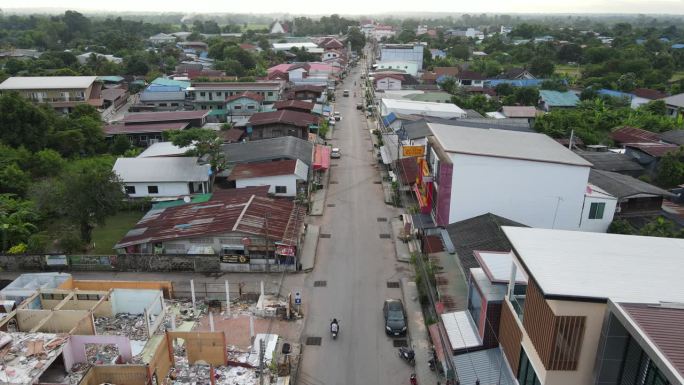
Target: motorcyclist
[[334, 326]]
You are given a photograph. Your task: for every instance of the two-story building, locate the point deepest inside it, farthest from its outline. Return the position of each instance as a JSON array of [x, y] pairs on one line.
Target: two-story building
[[274, 124], [403, 53], [62, 93], [212, 96], [246, 103]]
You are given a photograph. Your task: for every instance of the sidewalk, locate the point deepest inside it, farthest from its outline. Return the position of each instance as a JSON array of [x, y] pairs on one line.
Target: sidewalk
[[310, 244], [318, 197], [419, 339], [401, 248]]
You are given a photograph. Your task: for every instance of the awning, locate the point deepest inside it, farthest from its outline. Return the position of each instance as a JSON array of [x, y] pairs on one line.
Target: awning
[[437, 342], [321, 157], [461, 329], [488, 366]]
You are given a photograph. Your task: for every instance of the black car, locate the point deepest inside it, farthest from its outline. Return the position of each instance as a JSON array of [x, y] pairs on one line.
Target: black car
[[395, 317]]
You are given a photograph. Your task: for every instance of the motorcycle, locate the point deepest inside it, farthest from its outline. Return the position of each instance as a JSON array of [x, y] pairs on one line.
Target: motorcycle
[[334, 329], [413, 380], [408, 355]]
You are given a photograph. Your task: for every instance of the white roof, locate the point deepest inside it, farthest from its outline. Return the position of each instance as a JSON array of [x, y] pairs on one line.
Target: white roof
[[164, 149], [47, 82], [461, 330], [497, 266], [288, 46], [504, 144], [624, 268], [425, 107], [161, 169]]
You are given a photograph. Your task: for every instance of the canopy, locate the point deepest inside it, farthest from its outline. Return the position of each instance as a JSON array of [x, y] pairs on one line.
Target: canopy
[[321, 157]]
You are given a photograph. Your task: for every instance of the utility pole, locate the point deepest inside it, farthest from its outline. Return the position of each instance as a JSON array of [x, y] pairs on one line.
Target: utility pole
[[262, 353]]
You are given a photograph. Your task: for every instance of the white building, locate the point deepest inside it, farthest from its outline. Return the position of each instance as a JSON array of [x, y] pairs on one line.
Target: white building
[[526, 177], [408, 67], [306, 45], [83, 58], [162, 38], [284, 176], [159, 177], [387, 82], [277, 27], [410, 107], [402, 53]]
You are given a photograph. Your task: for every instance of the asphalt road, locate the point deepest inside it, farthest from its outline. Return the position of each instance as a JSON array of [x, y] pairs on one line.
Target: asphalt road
[[355, 264]]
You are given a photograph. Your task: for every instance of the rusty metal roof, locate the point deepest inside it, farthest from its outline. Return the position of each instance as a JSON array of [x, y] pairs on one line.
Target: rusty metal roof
[[295, 118], [629, 134], [247, 211], [293, 104], [164, 116]]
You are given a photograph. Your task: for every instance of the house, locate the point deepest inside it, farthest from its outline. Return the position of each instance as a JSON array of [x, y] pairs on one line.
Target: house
[[246, 103], [306, 92], [520, 112], [20, 54], [547, 182], [159, 177], [83, 58], [278, 28], [412, 53], [61, 93], [579, 318], [627, 134], [190, 118], [331, 43], [438, 110], [387, 81], [196, 46], [612, 161], [114, 97], [647, 93], [142, 135], [243, 228], [673, 137], [633, 100], [516, 74], [635, 197], [294, 105], [164, 149], [162, 38], [161, 99], [469, 79], [273, 124], [674, 104], [285, 178], [211, 96], [549, 100], [304, 45], [274, 149], [648, 154], [408, 67], [437, 53], [440, 73]]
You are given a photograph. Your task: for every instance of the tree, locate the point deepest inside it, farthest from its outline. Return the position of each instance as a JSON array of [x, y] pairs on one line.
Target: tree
[[17, 220], [661, 227], [46, 163], [526, 96], [460, 51], [22, 123], [670, 171], [204, 143], [136, 65], [621, 226], [504, 89], [14, 180], [541, 67], [570, 53], [627, 82], [120, 145], [356, 38]]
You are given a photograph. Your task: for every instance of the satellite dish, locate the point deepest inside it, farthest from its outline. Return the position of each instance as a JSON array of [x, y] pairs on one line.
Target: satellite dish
[[187, 199]]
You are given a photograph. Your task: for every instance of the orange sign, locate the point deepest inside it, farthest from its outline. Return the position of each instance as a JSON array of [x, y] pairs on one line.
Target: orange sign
[[413, 150]]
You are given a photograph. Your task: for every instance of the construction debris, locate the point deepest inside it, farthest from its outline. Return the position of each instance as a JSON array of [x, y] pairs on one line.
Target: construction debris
[[132, 326], [28, 355]]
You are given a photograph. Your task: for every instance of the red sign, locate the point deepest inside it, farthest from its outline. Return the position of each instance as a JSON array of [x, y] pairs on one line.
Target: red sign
[[288, 251]]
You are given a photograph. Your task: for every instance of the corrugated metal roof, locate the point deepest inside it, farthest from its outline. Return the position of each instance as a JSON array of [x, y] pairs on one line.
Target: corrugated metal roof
[[461, 330], [610, 161], [601, 266], [295, 118], [628, 134], [654, 149], [497, 266], [488, 366], [285, 147], [266, 169], [116, 129], [519, 111], [674, 136], [164, 116], [624, 186], [47, 82], [296, 104], [559, 99], [164, 149], [161, 169]]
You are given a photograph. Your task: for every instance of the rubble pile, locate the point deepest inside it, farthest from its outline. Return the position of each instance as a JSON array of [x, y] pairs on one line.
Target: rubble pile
[[25, 356], [76, 373], [123, 324], [102, 354]]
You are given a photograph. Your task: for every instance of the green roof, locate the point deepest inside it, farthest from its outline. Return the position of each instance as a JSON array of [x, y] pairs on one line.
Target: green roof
[[559, 99], [198, 198], [217, 112], [113, 79], [170, 82]]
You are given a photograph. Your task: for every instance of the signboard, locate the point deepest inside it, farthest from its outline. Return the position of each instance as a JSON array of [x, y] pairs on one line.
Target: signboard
[[413, 150], [298, 298], [233, 258], [288, 251], [56, 260]]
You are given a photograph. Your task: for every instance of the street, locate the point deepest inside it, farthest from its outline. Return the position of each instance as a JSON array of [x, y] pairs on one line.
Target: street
[[353, 266]]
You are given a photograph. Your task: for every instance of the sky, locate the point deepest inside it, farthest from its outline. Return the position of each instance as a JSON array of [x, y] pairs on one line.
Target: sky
[[356, 7]]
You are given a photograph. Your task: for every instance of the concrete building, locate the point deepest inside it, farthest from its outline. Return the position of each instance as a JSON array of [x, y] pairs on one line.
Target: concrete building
[[526, 177], [581, 320], [388, 81], [162, 38], [284, 177], [212, 96], [62, 93], [410, 107], [412, 53], [158, 177], [675, 104], [274, 124], [83, 58], [408, 67]]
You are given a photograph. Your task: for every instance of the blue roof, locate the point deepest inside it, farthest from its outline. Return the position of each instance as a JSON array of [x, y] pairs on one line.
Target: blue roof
[[113, 79], [516, 83], [559, 99], [615, 94], [678, 46], [664, 40], [162, 88], [171, 82], [389, 119]]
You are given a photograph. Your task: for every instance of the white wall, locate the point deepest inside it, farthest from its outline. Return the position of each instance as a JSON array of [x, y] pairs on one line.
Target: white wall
[[528, 192], [410, 68], [414, 54], [290, 181], [598, 225], [166, 189], [135, 301], [388, 84]]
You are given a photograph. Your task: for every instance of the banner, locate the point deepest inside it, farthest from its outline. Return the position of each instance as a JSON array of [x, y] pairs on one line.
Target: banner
[[56, 260], [413, 150]]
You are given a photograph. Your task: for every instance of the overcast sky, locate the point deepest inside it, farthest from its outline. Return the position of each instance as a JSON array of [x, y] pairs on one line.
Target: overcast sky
[[385, 7]]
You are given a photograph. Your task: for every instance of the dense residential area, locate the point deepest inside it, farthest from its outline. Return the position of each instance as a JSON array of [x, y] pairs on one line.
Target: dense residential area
[[363, 199]]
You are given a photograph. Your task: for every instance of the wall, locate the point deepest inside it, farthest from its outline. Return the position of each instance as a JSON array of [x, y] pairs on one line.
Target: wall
[[116, 374], [133, 301], [74, 350], [63, 321], [510, 335], [290, 181], [278, 130], [410, 68], [29, 319], [132, 262], [164, 286], [532, 193], [209, 347], [388, 84], [414, 54], [598, 225], [165, 189]]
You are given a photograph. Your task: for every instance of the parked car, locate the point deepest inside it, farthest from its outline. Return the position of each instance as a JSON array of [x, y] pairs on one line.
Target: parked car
[[337, 115], [335, 153], [395, 317], [359, 106], [345, 93]]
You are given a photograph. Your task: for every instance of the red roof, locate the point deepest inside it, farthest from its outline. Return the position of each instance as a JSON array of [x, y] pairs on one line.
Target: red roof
[[112, 93], [648, 93], [246, 94], [663, 326], [247, 46], [243, 210], [295, 118], [449, 71], [628, 134], [321, 157], [116, 129], [307, 87], [164, 116], [654, 149], [278, 75], [259, 170], [293, 104]]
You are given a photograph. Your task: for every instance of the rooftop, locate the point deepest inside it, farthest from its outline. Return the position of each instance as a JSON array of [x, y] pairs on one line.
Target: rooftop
[[629, 134], [427, 107], [295, 118], [559, 99], [164, 116], [163, 149], [648, 93], [497, 266], [242, 210], [293, 104], [116, 129], [654, 149], [246, 94], [624, 186], [519, 111], [233, 86], [610, 161], [504, 144], [161, 169], [585, 265], [675, 100], [673, 136], [267, 169], [47, 82], [285, 147]]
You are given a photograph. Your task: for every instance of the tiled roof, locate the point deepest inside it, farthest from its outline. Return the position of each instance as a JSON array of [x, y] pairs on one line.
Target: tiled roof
[[654, 149], [231, 135], [624, 186], [479, 233], [293, 104], [628, 134], [648, 93], [116, 129], [248, 95], [471, 75], [295, 118], [164, 116], [448, 71], [264, 169], [243, 210]]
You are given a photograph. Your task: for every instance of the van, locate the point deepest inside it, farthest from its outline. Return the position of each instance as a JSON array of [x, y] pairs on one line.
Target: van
[[345, 93]]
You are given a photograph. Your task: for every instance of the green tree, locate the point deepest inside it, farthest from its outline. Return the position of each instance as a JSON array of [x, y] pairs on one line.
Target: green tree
[[356, 38], [22, 123], [17, 220], [621, 226], [526, 96], [661, 227], [204, 143], [14, 180], [136, 65], [120, 145], [504, 89], [46, 163], [670, 171], [541, 67]]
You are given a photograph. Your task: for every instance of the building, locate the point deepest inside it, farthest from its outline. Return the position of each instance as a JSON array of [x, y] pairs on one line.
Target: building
[[612, 161], [285, 178], [387, 81], [648, 154], [581, 320], [674, 104], [212, 96], [83, 58], [162, 38], [305, 45], [408, 67], [412, 53], [246, 103], [306, 92], [469, 79], [635, 197], [516, 74], [437, 53], [547, 182], [243, 228], [142, 135], [114, 97], [62, 93], [159, 177], [519, 112], [549, 100], [162, 99], [274, 124], [673, 137], [410, 107], [274, 149], [634, 100], [627, 134], [190, 118], [278, 28], [294, 105]]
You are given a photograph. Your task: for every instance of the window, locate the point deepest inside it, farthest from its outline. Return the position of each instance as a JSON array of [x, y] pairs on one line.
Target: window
[[218, 93], [153, 189], [203, 93], [130, 190], [174, 104], [203, 107], [596, 210], [281, 189], [526, 373], [162, 104], [237, 107], [270, 93], [250, 107], [475, 303]]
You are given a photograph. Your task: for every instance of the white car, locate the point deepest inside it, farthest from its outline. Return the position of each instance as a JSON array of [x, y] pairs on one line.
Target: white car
[[335, 153]]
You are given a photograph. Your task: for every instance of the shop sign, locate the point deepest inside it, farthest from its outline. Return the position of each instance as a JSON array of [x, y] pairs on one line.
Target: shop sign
[[288, 251], [234, 258], [413, 150]]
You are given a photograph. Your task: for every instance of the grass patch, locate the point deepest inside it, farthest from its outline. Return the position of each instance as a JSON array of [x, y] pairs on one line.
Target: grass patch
[[677, 76], [568, 70], [256, 27], [105, 237]]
